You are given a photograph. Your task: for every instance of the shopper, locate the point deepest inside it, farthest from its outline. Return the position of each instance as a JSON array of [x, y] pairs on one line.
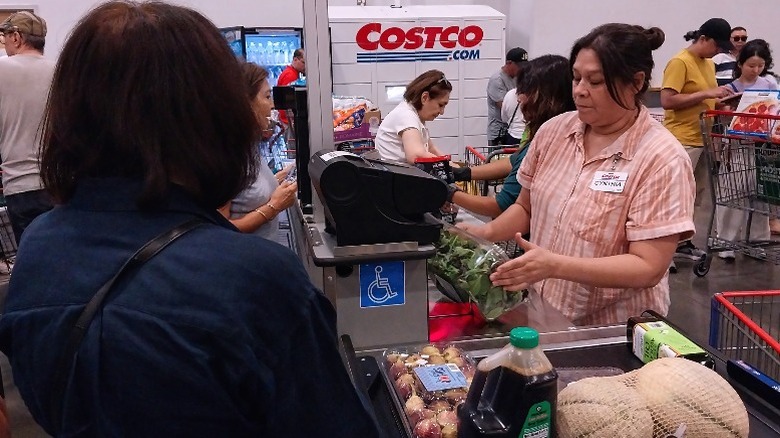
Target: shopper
[[689, 87], [545, 92], [221, 333], [26, 78], [754, 59], [256, 208], [291, 74], [403, 135], [751, 70], [498, 85], [607, 191], [512, 116], [726, 60]]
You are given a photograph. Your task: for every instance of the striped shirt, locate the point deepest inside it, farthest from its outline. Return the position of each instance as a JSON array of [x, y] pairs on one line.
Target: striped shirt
[[570, 218]]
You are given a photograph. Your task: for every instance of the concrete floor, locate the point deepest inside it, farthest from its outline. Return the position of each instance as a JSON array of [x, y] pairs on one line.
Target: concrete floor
[[690, 308]]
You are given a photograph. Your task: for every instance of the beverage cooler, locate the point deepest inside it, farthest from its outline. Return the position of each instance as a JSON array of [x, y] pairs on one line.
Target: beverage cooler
[[269, 47]]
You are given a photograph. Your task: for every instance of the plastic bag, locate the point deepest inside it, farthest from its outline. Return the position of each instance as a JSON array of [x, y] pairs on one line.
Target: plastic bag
[[466, 262]]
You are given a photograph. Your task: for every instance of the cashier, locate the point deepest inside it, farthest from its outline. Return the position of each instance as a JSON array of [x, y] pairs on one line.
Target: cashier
[[607, 191], [403, 135]]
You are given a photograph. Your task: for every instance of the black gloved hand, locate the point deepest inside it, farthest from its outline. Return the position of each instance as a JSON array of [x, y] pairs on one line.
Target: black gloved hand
[[461, 173], [451, 189]]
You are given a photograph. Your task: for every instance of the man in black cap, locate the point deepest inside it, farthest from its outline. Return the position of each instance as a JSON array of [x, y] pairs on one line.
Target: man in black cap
[[25, 78], [688, 88], [497, 87]]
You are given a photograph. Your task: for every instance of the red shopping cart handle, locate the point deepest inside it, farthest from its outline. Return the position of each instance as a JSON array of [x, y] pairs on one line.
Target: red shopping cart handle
[[735, 114]]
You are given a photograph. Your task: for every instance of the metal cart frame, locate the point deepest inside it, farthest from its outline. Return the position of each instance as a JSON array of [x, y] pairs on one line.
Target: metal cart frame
[[739, 164], [477, 155], [746, 326]]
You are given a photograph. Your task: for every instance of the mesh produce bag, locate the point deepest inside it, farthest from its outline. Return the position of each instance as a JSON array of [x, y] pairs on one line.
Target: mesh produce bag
[[652, 402]]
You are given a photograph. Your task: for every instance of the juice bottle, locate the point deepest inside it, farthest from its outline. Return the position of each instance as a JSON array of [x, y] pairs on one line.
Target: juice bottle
[[513, 394]]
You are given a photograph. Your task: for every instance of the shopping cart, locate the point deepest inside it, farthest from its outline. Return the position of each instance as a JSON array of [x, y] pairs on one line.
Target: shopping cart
[[7, 240], [746, 326], [477, 155], [744, 169]]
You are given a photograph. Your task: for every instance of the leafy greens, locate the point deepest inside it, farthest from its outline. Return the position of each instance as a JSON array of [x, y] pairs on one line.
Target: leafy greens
[[467, 266]]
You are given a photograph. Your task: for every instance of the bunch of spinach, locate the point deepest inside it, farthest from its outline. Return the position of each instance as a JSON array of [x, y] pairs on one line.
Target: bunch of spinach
[[467, 266]]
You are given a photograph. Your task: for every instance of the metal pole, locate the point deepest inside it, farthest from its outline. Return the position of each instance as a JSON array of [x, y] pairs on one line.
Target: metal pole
[[319, 83]]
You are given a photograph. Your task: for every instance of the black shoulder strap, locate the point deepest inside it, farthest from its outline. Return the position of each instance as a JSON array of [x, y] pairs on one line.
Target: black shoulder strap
[[77, 332], [513, 114]]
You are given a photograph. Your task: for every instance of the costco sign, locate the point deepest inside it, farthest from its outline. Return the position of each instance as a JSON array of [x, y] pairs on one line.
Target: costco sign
[[394, 44]]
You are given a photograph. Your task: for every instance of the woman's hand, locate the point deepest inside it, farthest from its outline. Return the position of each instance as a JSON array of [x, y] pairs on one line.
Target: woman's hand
[[719, 92], [535, 265], [284, 196], [282, 174]]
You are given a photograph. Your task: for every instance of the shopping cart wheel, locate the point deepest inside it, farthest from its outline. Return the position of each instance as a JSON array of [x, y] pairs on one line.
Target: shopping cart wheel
[[702, 267]]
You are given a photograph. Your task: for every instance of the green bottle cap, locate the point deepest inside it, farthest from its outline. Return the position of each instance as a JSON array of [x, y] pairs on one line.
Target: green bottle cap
[[524, 337]]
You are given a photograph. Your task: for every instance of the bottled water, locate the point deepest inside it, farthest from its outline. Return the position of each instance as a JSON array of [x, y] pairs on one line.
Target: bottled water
[[269, 53], [251, 52], [285, 53], [260, 54], [278, 58]]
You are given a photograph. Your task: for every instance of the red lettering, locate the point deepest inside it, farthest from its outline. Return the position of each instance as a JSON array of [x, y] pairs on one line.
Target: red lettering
[[393, 38], [431, 33], [470, 36], [445, 37], [396, 33], [414, 38], [362, 36]]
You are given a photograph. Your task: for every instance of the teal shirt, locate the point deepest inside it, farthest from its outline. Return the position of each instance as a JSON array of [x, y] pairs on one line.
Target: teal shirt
[[511, 189]]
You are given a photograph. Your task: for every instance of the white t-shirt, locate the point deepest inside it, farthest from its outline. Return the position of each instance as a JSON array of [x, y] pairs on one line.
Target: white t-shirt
[[388, 138], [772, 80], [508, 106]]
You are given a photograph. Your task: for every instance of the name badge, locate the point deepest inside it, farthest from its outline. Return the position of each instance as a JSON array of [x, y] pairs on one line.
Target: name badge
[[613, 182]]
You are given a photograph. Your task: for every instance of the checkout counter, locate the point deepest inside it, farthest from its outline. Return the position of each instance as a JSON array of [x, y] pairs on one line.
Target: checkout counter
[[369, 257]]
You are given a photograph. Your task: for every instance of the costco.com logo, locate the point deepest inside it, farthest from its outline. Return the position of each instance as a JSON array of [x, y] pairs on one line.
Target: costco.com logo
[[431, 43]]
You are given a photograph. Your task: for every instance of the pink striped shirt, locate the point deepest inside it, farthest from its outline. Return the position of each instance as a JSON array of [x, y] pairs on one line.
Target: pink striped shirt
[[570, 218]]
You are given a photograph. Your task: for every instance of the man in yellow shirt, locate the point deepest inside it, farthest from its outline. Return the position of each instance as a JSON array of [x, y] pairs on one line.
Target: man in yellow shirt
[[689, 87]]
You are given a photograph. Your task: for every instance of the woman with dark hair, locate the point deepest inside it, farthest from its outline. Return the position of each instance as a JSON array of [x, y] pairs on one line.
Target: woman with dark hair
[[544, 91], [753, 64], [689, 87], [754, 59], [256, 208], [210, 336], [402, 135], [607, 191]]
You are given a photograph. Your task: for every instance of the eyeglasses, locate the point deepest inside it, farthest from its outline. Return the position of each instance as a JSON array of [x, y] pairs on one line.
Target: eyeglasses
[[739, 38], [443, 80], [7, 32]]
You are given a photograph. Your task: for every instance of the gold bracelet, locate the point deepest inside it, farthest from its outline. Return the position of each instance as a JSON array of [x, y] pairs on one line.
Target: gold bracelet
[[262, 214], [273, 207]]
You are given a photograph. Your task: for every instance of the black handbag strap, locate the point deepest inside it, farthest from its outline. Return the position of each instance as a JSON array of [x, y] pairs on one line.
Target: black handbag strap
[[512, 119], [79, 330]]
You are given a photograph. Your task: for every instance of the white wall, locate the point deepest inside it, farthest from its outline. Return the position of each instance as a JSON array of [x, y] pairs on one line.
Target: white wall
[[62, 15], [558, 23], [541, 26]]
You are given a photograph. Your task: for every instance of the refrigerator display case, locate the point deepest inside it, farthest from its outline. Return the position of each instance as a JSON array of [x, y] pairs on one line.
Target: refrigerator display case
[[269, 47]]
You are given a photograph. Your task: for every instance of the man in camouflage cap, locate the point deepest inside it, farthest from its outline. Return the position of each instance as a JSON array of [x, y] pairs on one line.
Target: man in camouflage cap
[[25, 78]]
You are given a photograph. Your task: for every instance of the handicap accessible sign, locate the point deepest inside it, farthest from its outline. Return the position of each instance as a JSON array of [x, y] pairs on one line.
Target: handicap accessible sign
[[382, 284]]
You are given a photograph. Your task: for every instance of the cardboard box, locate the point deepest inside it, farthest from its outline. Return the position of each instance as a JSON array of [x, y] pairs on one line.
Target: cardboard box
[[366, 130], [761, 103]]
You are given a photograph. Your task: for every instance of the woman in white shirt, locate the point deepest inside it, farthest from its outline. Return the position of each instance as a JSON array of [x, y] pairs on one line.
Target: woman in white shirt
[[512, 115], [403, 136]]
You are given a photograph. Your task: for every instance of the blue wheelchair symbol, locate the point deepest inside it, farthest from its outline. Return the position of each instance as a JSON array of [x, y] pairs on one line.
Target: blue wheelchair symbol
[[382, 284]]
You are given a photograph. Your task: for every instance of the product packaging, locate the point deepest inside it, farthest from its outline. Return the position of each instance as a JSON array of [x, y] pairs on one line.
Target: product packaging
[[431, 381], [465, 262]]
